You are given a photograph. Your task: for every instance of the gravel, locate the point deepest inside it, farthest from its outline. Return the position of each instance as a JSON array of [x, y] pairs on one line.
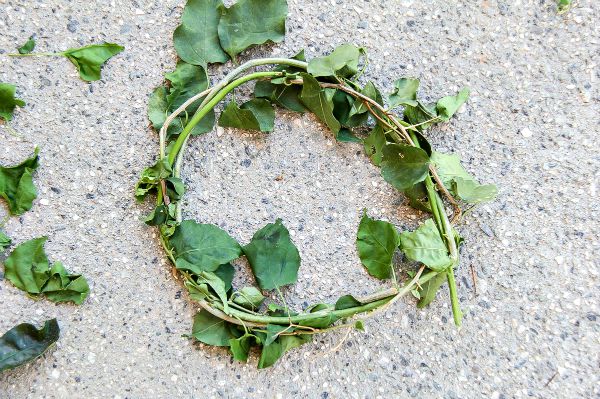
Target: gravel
[[531, 327]]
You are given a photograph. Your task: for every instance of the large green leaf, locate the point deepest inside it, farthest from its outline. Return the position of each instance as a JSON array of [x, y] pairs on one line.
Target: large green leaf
[[286, 96], [273, 257], [28, 46], [211, 330], [5, 242], [27, 267], [250, 22], [24, 343], [184, 82], [202, 247], [374, 144], [405, 93], [447, 106], [8, 101], [16, 185], [315, 99], [240, 347], [430, 288], [376, 242], [196, 40], [256, 114], [89, 59], [427, 246], [272, 352], [404, 165], [343, 62]]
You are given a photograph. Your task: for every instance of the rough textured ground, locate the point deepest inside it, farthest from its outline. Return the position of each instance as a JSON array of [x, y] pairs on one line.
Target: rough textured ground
[[531, 127]]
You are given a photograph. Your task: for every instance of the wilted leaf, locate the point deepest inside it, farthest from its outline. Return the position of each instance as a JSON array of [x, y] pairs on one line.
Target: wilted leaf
[[196, 40], [240, 347], [447, 106], [151, 176], [16, 185], [28, 46], [8, 102], [470, 191], [343, 62], [24, 343], [405, 92], [273, 257], [347, 302], [89, 59], [376, 242], [427, 246], [315, 99], [430, 288], [403, 166], [250, 22], [202, 247]]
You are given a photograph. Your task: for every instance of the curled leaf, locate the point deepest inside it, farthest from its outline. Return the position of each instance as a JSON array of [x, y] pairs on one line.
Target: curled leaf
[[28, 46], [16, 184], [24, 343], [8, 101], [342, 62]]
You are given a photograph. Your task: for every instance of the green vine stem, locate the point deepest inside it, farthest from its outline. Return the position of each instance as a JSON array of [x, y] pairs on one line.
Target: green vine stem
[[399, 132]]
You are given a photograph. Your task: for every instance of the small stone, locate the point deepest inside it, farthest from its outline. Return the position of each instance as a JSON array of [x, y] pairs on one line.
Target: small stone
[[44, 201], [363, 25], [526, 132], [72, 25]]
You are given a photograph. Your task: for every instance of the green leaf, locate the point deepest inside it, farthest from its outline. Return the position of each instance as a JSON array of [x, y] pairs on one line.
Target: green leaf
[[65, 287], [240, 347], [217, 285], [470, 191], [28, 46], [8, 102], [202, 247], [359, 325], [359, 107], [315, 99], [272, 352], [274, 331], [250, 22], [211, 330], [24, 343], [342, 62], [273, 257], [405, 93], [160, 215], [225, 272], [426, 245], [564, 6], [376, 242], [16, 185], [5, 242], [196, 40], [256, 114], [249, 297], [417, 197], [89, 59], [151, 177], [374, 145], [430, 288], [403, 166], [448, 168], [347, 302], [27, 267], [447, 106], [184, 82], [422, 115], [286, 96], [346, 136]]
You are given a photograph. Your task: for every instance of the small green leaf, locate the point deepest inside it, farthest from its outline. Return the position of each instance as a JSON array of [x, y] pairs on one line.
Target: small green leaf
[[8, 101], [196, 40], [217, 285], [249, 297], [273, 257], [564, 6], [447, 106], [421, 115], [315, 99], [225, 272], [374, 145], [27, 267], [160, 215], [5, 242], [426, 245], [430, 288], [405, 93], [272, 352], [346, 136], [403, 166], [359, 107], [470, 191], [151, 177], [250, 22], [417, 197], [415, 293], [211, 330], [16, 184], [240, 347], [347, 302], [342, 62], [89, 59], [273, 332], [24, 343], [202, 247], [359, 325], [256, 114], [28, 46], [376, 242]]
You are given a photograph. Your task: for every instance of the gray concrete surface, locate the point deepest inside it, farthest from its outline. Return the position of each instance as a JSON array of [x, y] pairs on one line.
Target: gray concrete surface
[[531, 126]]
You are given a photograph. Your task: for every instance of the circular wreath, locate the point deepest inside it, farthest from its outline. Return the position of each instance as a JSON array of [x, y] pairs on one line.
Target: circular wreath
[[328, 87]]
